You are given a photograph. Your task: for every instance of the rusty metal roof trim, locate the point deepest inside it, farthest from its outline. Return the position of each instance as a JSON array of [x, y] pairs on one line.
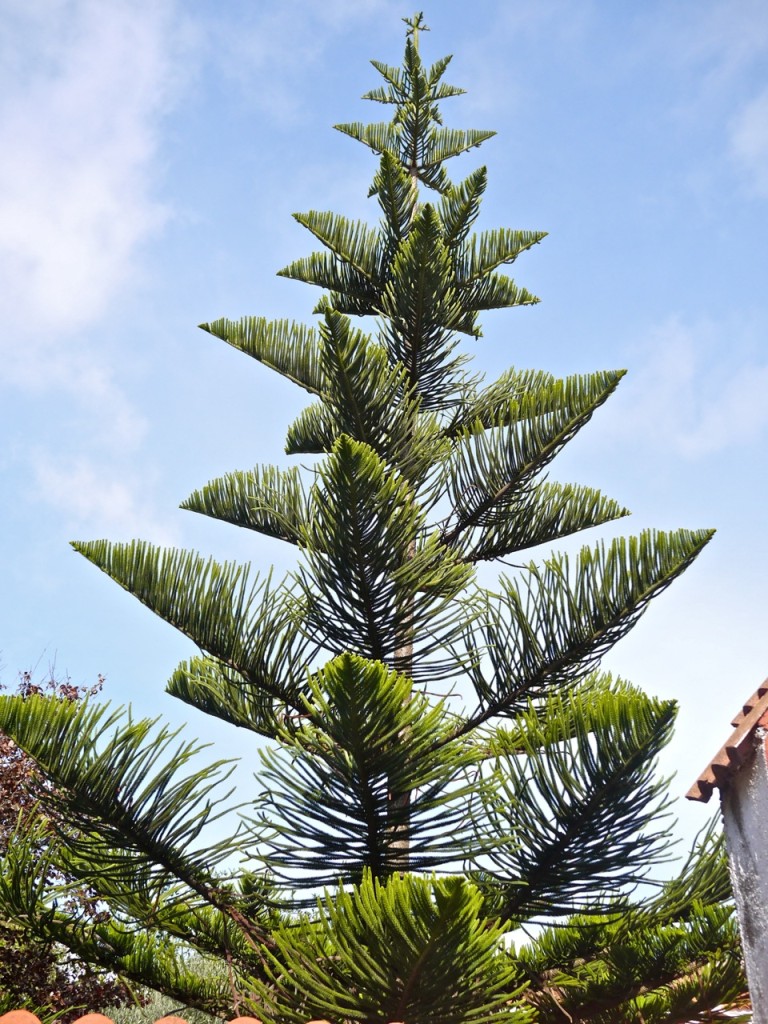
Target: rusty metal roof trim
[[737, 748]]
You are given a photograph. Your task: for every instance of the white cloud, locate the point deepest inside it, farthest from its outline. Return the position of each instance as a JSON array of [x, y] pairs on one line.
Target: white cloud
[[496, 83], [83, 90], [110, 419], [92, 499], [698, 389], [749, 143], [715, 52], [272, 45], [720, 40]]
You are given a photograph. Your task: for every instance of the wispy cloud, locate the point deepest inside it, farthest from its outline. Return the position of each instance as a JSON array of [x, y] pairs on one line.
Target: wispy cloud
[[725, 38], [711, 54], [749, 143], [83, 90], [697, 388], [727, 46], [93, 499], [266, 49], [84, 87], [493, 59]]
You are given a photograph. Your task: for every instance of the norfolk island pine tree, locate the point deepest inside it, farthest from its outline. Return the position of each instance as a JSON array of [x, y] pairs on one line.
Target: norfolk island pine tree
[[398, 836]]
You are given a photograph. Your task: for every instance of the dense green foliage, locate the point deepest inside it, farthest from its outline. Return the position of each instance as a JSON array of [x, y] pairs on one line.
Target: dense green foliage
[[37, 973], [441, 762]]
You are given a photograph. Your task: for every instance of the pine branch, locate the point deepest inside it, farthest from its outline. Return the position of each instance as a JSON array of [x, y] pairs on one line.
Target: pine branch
[[364, 734], [397, 199], [266, 499], [362, 585], [325, 270], [289, 348], [552, 629], [504, 401], [214, 689], [108, 788], [459, 208], [352, 242], [603, 970], [313, 432], [381, 138], [422, 308], [215, 604], [147, 957], [539, 515], [577, 802], [490, 250], [346, 963], [494, 462]]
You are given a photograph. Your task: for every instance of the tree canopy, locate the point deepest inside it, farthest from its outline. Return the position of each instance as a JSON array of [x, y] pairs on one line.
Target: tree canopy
[[440, 761]]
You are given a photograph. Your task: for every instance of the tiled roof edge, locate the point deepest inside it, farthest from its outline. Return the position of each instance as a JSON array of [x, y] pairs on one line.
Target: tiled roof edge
[[736, 749]]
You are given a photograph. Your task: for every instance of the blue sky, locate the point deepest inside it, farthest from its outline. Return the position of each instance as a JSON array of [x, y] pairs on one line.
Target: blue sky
[[153, 152]]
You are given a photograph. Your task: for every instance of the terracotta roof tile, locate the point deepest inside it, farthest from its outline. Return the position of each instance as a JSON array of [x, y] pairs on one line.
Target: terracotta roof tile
[[736, 749]]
